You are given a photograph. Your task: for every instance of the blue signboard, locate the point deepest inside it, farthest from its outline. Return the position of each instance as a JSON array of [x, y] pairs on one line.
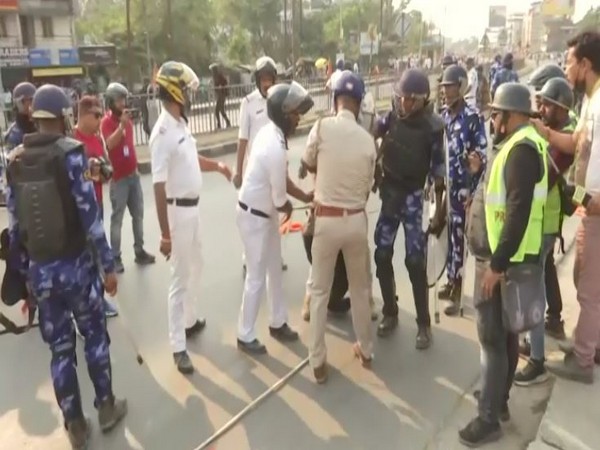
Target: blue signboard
[[68, 57], [40, 57]]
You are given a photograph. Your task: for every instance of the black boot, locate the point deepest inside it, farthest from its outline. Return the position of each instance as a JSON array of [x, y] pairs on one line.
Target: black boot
[[478, 433], [387, 325], [444, 293], [424, 338]]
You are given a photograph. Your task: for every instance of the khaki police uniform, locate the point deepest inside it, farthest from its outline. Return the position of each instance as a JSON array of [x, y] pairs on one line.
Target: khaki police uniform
[[344, 155], [263, 191], [175, 162]]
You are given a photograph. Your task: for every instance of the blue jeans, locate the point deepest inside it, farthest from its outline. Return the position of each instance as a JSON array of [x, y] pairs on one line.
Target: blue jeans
[[536, 336], [127, 193]]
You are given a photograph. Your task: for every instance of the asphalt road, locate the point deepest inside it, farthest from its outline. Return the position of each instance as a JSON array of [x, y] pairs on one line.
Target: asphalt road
[[409, 401]]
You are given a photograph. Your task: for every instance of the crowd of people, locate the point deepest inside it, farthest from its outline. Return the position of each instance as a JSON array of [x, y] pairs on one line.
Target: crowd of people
[[505, 202]]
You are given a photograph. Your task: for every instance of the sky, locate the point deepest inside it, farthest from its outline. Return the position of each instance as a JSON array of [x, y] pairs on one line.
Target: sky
[[465, 18]]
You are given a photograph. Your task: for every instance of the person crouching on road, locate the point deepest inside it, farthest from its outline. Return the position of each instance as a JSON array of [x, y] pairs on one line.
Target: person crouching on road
[[555, 100], [87, 132], [412, 149], [465, 134], [177, 177], [505, 231], [342, 154], [54, 216], [261, 199]]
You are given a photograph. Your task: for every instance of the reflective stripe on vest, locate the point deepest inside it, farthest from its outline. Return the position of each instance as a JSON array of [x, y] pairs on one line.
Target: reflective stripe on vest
[[495, 203], [552, 213]]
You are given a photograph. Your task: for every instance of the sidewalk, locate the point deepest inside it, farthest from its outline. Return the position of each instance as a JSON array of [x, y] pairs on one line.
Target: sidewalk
[[571, 418]]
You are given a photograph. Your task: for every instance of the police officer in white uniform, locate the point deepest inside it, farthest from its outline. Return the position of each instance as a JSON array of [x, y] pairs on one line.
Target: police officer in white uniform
[[262, 197], [177, 177], [253, 116]]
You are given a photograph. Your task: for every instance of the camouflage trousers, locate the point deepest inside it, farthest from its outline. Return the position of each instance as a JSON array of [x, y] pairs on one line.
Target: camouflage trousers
[[456, 234], [58, 301]]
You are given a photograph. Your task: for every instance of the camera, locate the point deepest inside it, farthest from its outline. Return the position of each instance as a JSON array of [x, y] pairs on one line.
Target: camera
[[106, 170]]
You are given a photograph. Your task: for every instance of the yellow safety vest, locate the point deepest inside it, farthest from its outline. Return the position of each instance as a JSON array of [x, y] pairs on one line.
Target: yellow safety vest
[[552, 213], [495, 201]]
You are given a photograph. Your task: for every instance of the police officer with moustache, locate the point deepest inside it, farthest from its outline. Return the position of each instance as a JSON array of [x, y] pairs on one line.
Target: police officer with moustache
[[177, 177], [22, 95], [55, 217], [447, 61], [253, 116], [466, 138], [412, 149], [262, 197], [342, 154], [505, 231], [555, 101]]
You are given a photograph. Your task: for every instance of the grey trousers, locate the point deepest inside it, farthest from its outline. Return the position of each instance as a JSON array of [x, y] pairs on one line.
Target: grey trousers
[[127, 193]]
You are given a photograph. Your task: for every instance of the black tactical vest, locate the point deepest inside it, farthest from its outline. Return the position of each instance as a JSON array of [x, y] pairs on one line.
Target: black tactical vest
[[407, 149], [49, 224]]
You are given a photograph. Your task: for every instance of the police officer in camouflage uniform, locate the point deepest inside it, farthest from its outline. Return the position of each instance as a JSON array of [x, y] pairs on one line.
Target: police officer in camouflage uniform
[[412, 149], [447, 61], [55, 229], [21, 95], [465, 134]]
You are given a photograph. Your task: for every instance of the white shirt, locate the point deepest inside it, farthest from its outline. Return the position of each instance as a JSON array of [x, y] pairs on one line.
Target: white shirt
[[265, 178], [174, 157], [471, 95], [253, 116], [589, 125]]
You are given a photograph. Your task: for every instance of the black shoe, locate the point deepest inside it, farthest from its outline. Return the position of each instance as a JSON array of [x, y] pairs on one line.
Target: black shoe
[[195, 329], [525, 348], [183, 362], [533, 373], [284, 333], [444, 293], [555, 328], [455, 298], [119, 268], [387, 325], [284, 266], [504, 412], [424, 338], [144, 258], [253, 348], [478, 433]]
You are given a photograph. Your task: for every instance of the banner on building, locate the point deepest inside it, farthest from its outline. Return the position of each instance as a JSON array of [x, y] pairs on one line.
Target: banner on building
[[9, 5], [14, 57], [558, 8], [497, 17], [102, 55]]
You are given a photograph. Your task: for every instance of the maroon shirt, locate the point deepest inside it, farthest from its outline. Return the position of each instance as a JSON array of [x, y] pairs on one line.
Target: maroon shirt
[[122, 157]]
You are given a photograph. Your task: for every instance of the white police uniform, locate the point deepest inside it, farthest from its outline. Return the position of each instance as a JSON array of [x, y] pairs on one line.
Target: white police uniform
[[263, 191], [253, 116], [175, 162]]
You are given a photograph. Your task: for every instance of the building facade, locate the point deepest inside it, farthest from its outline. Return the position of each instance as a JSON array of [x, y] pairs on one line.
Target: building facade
[[516, 23], [37, 42], [534, 29]]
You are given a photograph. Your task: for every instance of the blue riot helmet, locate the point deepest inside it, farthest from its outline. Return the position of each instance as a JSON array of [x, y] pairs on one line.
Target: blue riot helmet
[[51, 103], [448, 60], [21, 94], [350, 84], [413, 84]]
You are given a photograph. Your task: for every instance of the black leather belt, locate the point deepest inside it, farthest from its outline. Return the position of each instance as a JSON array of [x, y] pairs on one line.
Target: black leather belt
[[256, 212], [183, 202]]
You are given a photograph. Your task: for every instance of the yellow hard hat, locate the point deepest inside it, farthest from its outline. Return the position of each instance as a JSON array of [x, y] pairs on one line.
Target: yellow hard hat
[[176, 77]]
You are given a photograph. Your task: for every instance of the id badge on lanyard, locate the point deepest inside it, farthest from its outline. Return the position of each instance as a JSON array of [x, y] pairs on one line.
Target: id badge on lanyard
[[125, 147]]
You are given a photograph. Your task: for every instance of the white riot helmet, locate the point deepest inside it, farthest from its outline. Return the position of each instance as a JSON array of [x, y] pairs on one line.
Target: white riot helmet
[[265, 66]]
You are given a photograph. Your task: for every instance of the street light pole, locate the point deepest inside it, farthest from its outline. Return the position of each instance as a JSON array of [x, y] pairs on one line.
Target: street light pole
[[129, 49], [169, 30]]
